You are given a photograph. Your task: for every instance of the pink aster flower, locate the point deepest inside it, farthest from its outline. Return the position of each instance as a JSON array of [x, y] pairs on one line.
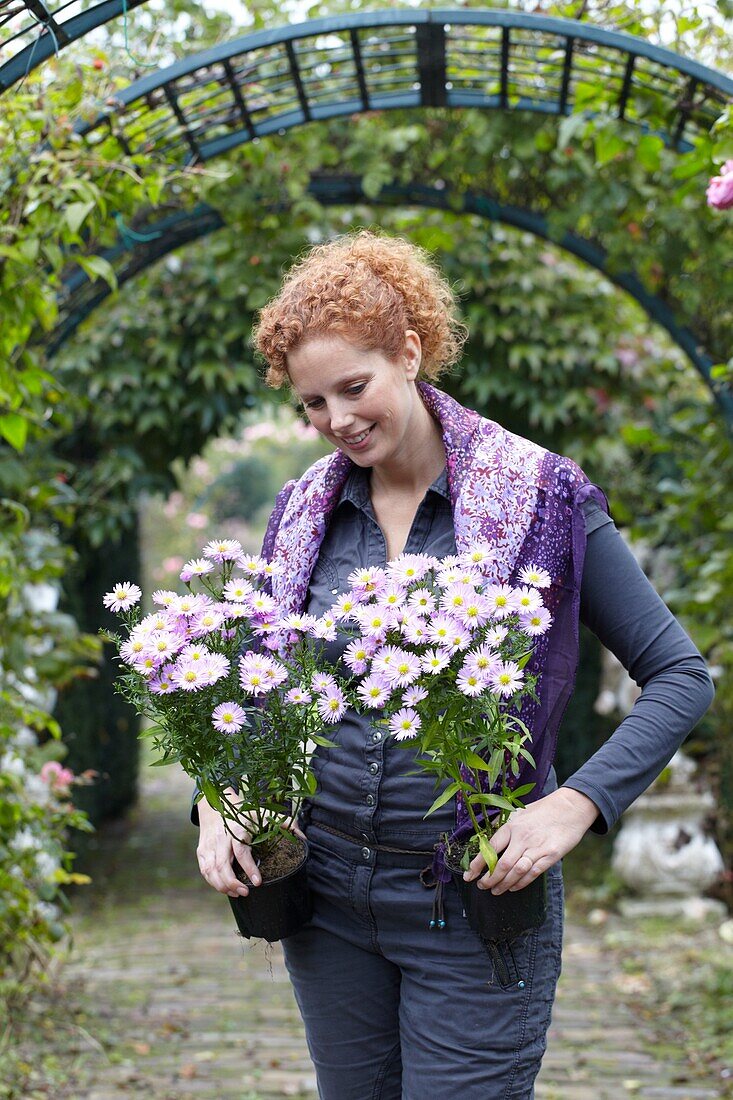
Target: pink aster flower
[[276, 673], [374, 620], [404, 670], [479, 555], [435, 660], [415, 630], [527, 600], [161, 685], [441, 629], [262, 604], [356, 656], [324, 628], [459, 638], [533, 575], [254, 681], [237, 590], [481, 661], [215, 667], [501, 600], [190, 604], [332, 705], [506, 678], [470, 683], [197, 567], [405, 724], [163, 596], [190, 676], [538, 622], [322, 681], [495, 636], [222, 550], [228, 718], [720, 189], [409, 568], [132, 649], [373, 691], [422, 600], [384, 658], [298, 695], [344, 606], [205, 623], [368, 581], [122, 597], [414, 695]]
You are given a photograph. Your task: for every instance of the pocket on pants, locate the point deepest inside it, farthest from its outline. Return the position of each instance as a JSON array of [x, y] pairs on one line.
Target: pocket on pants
[[512, 961]]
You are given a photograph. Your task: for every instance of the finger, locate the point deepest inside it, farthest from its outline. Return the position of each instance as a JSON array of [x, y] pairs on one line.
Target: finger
[[538, 868], [507, 872], [245, 859], [476, 867]]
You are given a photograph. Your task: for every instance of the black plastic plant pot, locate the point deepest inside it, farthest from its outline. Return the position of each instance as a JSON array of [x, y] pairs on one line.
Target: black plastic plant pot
[[278, 907], [502, 916]]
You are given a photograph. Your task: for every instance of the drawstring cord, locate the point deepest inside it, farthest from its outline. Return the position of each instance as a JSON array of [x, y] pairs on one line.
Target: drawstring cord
[[437, 917]]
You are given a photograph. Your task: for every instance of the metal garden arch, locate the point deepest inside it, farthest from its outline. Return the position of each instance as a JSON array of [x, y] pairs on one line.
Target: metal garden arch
[[271, 81]]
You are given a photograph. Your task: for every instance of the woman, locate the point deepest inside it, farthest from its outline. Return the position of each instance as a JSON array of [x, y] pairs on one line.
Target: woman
[[391, 1008]]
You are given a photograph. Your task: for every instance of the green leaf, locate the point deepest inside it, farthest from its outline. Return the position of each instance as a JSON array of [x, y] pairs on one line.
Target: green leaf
[[446, 796], [319, 739], [75, 214], [492, 800], [14, 428], [488, 852], [648, 151], [211, 794], [608, 145], [473, 760], [97, 267]]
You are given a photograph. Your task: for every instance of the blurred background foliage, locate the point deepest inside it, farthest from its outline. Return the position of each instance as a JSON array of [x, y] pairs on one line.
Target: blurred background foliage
[[128, 407]]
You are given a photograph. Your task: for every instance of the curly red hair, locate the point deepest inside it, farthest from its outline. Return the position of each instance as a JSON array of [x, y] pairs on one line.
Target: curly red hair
[[368, 289]]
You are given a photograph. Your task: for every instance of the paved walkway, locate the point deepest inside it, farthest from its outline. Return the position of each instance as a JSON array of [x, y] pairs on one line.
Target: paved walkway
[[179, 1006]]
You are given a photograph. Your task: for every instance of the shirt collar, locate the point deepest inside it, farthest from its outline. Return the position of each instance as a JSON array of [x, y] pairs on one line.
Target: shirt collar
[[356, 489]]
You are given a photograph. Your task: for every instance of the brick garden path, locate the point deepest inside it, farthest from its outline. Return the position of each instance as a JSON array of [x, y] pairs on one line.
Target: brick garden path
[[177, 1006]]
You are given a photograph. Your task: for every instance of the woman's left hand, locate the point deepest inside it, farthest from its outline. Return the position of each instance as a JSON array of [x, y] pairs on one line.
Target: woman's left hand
[[534, 838]]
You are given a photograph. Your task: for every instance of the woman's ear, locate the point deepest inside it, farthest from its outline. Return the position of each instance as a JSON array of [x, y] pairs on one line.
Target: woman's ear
[[412, 354]]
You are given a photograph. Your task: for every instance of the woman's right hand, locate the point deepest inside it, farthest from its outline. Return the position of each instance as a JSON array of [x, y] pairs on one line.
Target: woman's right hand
[[218, 846]]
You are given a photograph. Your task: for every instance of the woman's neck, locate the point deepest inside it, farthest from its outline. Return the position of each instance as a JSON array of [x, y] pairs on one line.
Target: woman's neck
[[419, 465]]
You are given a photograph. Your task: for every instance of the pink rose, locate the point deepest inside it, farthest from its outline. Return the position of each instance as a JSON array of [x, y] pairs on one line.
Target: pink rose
[[57, 777], [720, 188]]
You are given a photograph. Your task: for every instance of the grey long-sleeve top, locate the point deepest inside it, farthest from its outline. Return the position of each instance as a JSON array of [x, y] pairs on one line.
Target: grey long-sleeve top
[[362, 785]]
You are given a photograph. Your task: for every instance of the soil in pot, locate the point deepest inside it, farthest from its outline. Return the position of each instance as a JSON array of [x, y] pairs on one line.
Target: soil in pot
[[499, 916], [282, 904]]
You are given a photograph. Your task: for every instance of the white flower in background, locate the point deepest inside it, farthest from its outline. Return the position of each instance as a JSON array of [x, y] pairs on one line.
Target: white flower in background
[[46, 864], [12, 764]]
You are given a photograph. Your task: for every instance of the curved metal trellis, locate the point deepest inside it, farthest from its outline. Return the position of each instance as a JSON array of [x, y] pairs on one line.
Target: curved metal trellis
[[31, 31], [270, 81], [137, 250]]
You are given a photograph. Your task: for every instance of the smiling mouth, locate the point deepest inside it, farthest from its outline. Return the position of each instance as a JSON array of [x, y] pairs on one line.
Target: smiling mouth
[[355, 440]]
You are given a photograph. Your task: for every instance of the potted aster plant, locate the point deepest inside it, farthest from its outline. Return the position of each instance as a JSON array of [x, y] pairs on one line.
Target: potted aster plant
[[235, 693], [442, 658]]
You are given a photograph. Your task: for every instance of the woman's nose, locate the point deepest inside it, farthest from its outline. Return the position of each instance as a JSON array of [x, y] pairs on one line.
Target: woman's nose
[[341, 418]]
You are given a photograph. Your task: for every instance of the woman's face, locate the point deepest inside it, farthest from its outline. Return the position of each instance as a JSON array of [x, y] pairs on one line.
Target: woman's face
[[362, 402]]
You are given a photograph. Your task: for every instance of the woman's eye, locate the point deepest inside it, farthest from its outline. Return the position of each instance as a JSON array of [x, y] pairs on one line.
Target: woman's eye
[[357, 389], [315, 404]]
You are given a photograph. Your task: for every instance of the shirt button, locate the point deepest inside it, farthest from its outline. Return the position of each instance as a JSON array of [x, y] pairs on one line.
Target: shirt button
[[376, 736], [366, 852], [334, 591], [374, 767], [370, 800]]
